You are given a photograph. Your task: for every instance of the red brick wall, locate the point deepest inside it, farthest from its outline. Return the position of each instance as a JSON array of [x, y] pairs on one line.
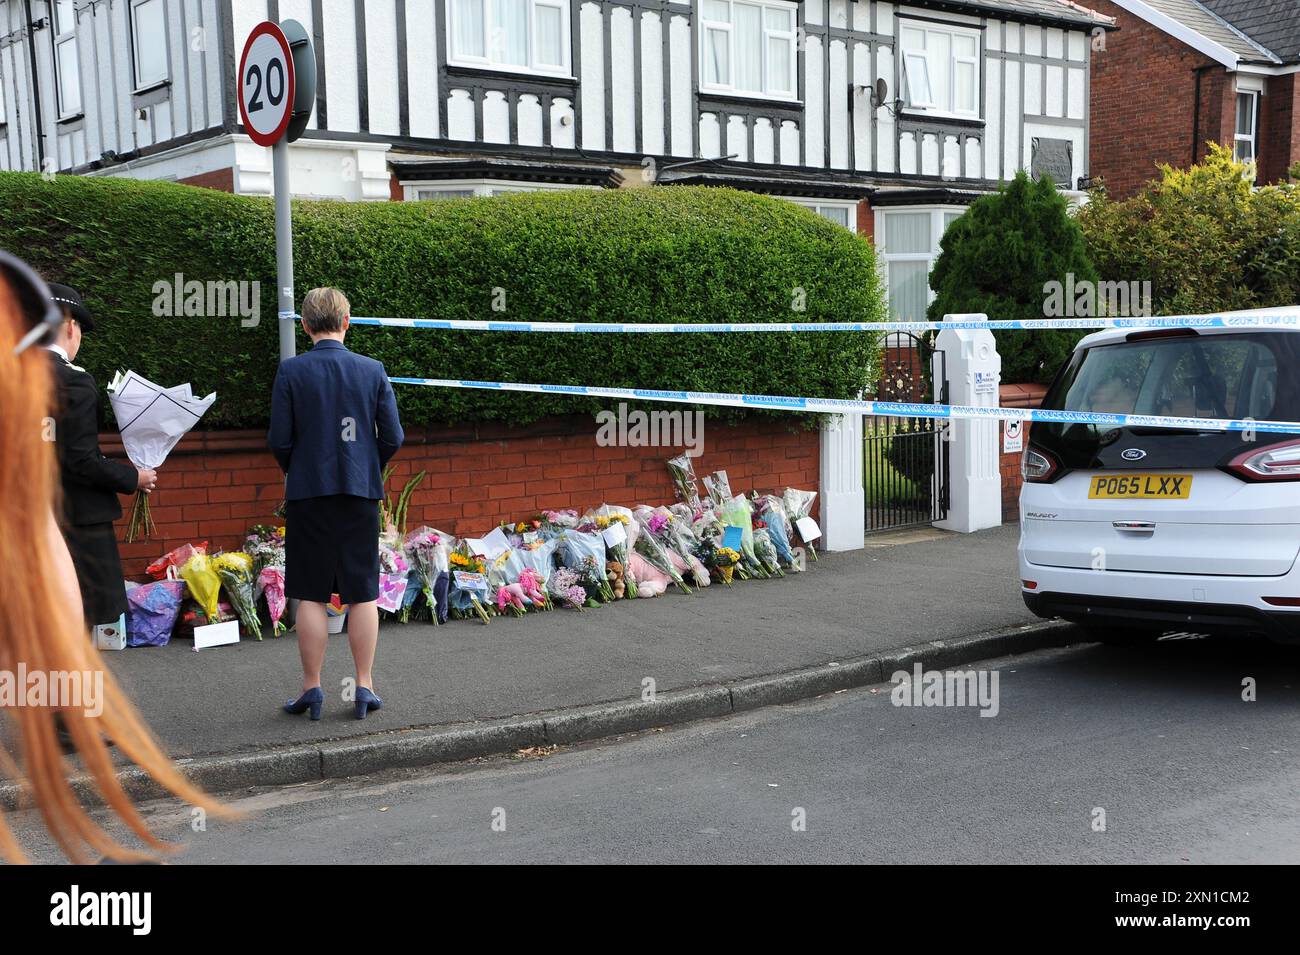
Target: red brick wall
[[1143, 99], [866, 220], [216, 485], [1015, 396], [1279, 144], [223, 179]]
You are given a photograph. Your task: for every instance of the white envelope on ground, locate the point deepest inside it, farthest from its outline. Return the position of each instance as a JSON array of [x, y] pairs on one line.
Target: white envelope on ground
[[216, 635]]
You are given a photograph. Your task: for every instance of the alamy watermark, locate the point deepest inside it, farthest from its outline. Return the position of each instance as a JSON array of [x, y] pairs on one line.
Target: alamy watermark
[[181, 298], [1083, 298], [946, 688], [651, 429], [58, 689]]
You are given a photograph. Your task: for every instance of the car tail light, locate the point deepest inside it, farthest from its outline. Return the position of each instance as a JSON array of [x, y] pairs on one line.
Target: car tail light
[[1029, 584], [1283, 601], [1038, 466], [1276, 462], [1162, 333]]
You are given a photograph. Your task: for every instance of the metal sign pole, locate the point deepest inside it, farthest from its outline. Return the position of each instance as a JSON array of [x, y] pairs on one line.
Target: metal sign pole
[[283, 248]]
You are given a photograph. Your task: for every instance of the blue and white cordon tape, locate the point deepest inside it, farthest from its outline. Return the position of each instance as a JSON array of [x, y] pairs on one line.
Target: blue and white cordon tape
[[843, 405], [877, 408], [1230, 320]]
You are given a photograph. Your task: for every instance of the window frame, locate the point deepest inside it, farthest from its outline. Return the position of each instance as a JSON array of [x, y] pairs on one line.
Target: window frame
[[533, 68], [1253, 137], [907, 55], [817, 205], [139, 86], [62, 34], [939, 223], [479, 187], [791, 36]]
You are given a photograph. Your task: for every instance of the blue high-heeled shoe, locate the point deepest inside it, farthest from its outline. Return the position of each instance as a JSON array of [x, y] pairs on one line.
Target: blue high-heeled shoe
[[366, 701], [311, 700]]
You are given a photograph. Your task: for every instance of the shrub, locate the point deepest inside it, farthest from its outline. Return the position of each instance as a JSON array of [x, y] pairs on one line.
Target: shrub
[[997, 258], [666, 254], [1203, 237]]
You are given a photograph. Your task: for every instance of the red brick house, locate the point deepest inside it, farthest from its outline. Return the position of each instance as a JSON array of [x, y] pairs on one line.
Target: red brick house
[[1179, 74]]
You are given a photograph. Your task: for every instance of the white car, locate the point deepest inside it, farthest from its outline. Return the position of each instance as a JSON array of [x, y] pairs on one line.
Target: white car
[[1133, 532]]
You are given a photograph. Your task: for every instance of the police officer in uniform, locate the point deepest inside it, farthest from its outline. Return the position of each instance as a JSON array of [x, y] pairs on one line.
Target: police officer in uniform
[[91, 481]]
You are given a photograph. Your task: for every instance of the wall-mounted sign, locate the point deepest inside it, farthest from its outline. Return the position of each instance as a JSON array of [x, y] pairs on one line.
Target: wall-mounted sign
[[1054, 158], [1013, 437]]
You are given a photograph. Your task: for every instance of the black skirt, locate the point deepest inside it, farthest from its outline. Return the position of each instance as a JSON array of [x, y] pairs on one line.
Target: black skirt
[[331, 546], [99, 571]]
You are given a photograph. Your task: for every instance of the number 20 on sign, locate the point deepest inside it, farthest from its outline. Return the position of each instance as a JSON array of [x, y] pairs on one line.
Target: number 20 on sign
[[266, 84]]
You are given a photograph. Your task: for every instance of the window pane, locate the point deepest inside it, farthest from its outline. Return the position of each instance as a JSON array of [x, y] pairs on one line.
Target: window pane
[[913, 39], [780, 62], [908, 291], [717, 65], [780, 19], [69, 88], [1245, 151], [469, 39], [940, 50], [963, 45], [510, 32], [918, 78], [1245, 114], [966, 87], [718, 10], [65, 16], [150, 43], [748, 32], [907, 232], [444, 193], [550, 36], [837, 214]]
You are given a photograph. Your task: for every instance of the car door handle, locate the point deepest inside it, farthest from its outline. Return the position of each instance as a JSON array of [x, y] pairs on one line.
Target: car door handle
[[1133, 525]]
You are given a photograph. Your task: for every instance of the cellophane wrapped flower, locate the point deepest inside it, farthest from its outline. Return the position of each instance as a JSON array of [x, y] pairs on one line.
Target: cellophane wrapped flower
[[765, 551], [684, 482], [771, 511], [428, 554], [270, 584], [718, 487], [566, 587], [656, 555], [603, 518], [799, 504], [265, 545], [584, 554], [464, 598], [737, 513], [236, 572]]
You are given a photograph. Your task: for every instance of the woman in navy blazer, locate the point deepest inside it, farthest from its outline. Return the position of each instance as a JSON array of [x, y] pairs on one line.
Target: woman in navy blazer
[[334, 426]]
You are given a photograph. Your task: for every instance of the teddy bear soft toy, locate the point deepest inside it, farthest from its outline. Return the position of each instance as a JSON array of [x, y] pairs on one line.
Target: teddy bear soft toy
[[650, 582]]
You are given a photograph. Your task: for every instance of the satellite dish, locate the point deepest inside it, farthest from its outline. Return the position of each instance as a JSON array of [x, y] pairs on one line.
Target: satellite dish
[[882, 91]]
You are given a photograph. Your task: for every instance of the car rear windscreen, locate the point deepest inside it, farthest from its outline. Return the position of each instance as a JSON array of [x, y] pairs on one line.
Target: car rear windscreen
[[1234, 375]]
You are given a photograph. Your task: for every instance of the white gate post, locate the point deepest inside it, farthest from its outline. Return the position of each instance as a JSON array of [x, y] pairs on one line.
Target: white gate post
[[843, 505], [974, 370]]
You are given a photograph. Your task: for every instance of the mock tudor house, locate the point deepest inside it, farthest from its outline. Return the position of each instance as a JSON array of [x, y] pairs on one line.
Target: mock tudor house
[[1179, 74], [886, 118]]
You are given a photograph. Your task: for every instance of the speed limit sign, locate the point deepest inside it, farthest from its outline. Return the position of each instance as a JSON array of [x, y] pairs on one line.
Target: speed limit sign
[[266, 84]]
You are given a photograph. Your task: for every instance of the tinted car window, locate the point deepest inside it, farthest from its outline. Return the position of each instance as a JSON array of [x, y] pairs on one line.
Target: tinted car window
[[1245, 375]]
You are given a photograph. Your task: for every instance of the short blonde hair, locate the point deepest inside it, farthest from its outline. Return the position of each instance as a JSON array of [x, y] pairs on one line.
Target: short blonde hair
[[323, 310]]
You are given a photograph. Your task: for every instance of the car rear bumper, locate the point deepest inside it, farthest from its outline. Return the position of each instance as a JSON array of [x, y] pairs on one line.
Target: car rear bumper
[[1196, 617]]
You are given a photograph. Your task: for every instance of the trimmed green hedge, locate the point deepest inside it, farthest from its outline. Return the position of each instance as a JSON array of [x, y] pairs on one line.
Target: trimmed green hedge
[[637, 255]]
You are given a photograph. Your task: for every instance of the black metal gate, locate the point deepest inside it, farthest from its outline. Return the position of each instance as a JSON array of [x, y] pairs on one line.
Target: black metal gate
[[905, 460]]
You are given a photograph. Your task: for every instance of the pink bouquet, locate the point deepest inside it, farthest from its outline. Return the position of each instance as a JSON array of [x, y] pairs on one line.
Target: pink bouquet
[[564, 583], [270, 584]]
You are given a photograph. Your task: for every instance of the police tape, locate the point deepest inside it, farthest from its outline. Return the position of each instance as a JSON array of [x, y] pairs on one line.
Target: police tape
[[874, 408], [1227, 320]]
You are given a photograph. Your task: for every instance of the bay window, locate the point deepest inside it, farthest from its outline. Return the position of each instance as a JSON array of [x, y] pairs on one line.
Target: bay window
[[67, 67], [908, 246], [749, 48], [148, 42], [941, 67], [527, 36]]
